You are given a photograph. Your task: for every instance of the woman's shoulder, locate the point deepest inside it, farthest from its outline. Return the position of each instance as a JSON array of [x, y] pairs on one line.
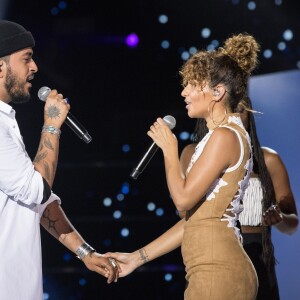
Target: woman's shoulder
[[225, 134], [272, 158], [269, 154], [224, 142], [268, 151]]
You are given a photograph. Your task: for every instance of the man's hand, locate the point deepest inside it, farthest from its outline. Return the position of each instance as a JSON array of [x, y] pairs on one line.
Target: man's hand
[[102, 265], [127, 262]]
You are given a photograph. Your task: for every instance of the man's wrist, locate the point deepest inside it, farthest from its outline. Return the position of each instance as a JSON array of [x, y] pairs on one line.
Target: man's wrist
[[51, 129], [83, 250]]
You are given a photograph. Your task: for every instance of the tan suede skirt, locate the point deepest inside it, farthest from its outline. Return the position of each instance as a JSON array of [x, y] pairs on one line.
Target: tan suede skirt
[[217, 267]]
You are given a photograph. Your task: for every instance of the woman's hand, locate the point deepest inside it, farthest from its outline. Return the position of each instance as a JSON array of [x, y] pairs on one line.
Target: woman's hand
[[162, 136], [272, 216], [127, 262]]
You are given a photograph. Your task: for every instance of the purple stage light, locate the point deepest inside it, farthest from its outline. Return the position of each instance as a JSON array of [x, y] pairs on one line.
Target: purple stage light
[[132, 40]]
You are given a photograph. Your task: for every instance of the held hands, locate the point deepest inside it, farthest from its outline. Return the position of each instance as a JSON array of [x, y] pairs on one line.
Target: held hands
[[127, 262], [272, 216], [162, 135], [56, 109], [103, 265]]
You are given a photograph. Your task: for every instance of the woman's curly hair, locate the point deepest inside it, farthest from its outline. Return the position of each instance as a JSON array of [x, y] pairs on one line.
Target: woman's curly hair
[[242, 48], [230, 65]]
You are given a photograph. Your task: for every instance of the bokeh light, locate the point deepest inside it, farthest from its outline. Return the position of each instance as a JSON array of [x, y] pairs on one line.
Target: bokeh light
[[132, 40]]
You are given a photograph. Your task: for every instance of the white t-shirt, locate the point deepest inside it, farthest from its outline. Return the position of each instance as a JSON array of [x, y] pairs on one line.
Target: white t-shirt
[[21, 192]]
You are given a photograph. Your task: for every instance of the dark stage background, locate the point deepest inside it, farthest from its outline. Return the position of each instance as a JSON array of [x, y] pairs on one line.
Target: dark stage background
[[118, 62]]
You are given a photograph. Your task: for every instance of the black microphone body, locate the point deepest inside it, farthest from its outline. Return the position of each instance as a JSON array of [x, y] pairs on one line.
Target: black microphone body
[[70, 120], [144, 161], [78, 128], [171, 122]]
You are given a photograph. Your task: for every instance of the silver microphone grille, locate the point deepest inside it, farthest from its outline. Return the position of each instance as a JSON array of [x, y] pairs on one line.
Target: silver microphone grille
[[43, 93], [170, 121]]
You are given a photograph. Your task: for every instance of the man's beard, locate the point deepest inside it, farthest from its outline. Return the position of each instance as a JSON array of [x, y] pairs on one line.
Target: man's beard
[[15, 89]]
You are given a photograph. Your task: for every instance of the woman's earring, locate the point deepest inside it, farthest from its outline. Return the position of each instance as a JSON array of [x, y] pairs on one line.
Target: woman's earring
[[216, 93]]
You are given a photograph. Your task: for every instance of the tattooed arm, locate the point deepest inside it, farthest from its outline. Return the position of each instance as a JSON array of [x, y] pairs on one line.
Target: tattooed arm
[[57, 224], [55, 112]]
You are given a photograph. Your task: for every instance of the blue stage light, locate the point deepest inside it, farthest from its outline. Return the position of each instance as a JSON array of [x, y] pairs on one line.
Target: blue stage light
[[159, 212], [288, 35], [251, 5], [184, 135], [163, 19], [168, 277], [281, 46], [124, 232], [120, 197], [125, 148], [205, 33], [107, 202], [165, 44], [268, 53], [151, 206], [125, 188], [62, 5], [82, 281], [117, 214]]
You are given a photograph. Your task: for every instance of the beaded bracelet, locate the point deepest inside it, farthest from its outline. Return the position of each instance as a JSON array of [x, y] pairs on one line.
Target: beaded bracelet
[[51, 129], [84, 250]]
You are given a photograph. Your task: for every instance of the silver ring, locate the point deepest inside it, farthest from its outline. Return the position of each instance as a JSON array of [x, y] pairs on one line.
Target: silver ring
[[274, 207], [113, 262]]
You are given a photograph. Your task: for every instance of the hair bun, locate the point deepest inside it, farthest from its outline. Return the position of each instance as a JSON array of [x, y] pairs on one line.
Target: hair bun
[[242, 48]]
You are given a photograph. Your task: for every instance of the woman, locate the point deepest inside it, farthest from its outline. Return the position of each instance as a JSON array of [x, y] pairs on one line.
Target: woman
[[210, 192], [269, 183], [268, 201]]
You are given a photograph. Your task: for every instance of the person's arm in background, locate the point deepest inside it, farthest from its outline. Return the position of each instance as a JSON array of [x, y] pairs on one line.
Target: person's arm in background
[[57, 224], [165, 243], [285, 218]]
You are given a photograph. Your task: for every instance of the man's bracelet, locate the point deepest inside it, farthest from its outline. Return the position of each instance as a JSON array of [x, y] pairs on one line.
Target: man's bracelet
[[51, 129], [84, 250]]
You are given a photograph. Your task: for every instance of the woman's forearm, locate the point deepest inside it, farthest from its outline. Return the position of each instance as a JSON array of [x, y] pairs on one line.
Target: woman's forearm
[[167, 242]]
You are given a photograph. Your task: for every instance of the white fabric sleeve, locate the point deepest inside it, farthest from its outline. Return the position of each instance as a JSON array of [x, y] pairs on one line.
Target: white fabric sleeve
[[18, 178]]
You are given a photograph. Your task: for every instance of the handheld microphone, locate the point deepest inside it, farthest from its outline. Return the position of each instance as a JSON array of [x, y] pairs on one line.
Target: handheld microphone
[[70, 120], [171, 122]]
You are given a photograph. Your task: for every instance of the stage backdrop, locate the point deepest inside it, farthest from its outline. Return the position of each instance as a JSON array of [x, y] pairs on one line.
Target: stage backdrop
[[277, 95]]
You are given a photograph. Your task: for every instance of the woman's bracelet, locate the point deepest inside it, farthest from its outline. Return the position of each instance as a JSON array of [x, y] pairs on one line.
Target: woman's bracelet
[[51, 129], [143, 255]]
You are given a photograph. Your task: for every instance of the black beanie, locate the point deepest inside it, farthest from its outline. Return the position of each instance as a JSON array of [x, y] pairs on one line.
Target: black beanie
[[14, 37]]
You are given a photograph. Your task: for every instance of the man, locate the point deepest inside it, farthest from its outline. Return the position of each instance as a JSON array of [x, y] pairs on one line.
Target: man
[[26, 199]]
